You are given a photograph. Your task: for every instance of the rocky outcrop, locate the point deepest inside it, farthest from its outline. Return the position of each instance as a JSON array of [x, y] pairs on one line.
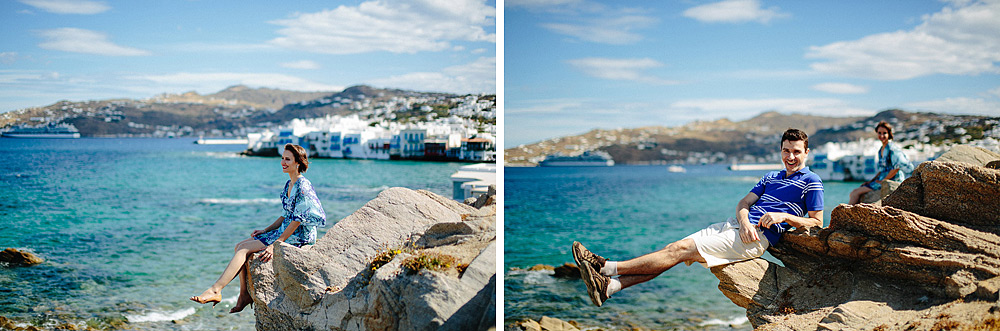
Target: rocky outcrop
[[16, 257], [544, 324], [928, 258], [354, 277], [875, 197]]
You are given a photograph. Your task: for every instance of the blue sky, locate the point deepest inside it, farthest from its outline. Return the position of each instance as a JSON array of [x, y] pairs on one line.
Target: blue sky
[[575, 65], [78, 50]]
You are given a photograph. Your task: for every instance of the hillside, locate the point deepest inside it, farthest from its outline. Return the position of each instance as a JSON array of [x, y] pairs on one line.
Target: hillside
[[231, 112], [750, 141], [241, 95]]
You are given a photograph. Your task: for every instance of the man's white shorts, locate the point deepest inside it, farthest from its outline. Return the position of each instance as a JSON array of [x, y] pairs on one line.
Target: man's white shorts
[[720, 244]]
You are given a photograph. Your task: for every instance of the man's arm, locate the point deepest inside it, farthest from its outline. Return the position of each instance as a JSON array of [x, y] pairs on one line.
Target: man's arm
[[747, 231], [815, 219]]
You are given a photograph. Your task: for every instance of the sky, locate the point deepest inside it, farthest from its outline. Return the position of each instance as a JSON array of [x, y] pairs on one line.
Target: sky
[[79, 50], [571, 66]]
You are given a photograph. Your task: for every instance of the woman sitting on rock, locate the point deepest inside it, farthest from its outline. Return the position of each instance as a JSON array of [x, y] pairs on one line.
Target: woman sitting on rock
[[892, 164], [296, 226]]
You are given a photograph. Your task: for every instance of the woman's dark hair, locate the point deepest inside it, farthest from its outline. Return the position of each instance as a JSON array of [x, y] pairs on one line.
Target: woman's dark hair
[[886, 125], [300, 156], [795, 135]]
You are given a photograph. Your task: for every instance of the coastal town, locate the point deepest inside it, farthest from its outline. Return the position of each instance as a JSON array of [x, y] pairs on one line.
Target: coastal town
[[361, 122], [842, 148]]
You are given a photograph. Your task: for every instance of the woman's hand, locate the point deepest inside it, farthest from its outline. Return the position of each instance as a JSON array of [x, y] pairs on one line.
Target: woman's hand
[[256, 232], [266, 254]]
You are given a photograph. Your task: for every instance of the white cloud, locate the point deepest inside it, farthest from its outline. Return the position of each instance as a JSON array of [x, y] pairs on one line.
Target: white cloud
[[540, 3], [85, 41], [994, 92], [214, 82], [475, 77], [960, 105], [959, 40], [606, 30], [304, 64], [621, 69], [8, 57], [69, 6], [734, 11], [391, 25], [840, 88]]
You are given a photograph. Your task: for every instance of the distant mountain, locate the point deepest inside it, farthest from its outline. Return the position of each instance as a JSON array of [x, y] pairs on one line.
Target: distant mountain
[[241, 95], [342, 103], [266, 97], [754, 140], [230, 112]]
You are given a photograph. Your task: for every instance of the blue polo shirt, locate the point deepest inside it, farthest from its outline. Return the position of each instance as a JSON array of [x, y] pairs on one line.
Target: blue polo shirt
[[796, 194]]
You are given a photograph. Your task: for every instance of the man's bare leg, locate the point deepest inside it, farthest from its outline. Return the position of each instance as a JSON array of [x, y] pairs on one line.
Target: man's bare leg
[[644, 268]]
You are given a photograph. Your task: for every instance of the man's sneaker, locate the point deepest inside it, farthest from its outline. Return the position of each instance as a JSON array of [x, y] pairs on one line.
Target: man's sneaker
[[581, 254], [597, 284]]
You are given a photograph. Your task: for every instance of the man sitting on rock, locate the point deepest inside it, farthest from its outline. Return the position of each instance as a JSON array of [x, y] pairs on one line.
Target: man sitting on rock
[[793, 197]]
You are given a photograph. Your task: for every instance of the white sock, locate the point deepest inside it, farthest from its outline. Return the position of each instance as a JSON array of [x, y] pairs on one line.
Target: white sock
[[610, 269], [614, 286]]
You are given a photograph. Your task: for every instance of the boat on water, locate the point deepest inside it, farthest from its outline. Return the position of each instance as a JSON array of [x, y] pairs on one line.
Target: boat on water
[[676, 168], [221, 141], [755, 166], [472, 180], [51, 130], [587, 159]]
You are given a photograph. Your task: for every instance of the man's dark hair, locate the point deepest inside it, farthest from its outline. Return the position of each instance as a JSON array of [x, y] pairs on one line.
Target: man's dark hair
[[795, 135]]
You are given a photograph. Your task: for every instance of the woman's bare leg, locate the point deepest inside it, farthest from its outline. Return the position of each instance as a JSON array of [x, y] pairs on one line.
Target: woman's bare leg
[[245, 298], [242, 252], [857, 193]]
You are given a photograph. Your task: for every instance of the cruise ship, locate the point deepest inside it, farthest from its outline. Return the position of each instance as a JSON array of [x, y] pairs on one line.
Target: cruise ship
[[587, 159], [43, 131]]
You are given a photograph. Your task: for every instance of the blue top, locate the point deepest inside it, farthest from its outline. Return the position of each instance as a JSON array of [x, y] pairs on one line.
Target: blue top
[[301, 206], [894, 160], [797, 194]]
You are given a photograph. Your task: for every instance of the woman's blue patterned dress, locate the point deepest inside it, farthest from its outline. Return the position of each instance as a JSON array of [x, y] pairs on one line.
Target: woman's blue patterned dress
[[302, 206]]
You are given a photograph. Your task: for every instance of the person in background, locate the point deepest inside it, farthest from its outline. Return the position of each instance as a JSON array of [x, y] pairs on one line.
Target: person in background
[[297, 225], [891, 163]]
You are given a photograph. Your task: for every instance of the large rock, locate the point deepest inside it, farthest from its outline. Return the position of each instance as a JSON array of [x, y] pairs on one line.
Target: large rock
[[972, 155], [928, 259], [17, 257], [332, 285], [954, 191]]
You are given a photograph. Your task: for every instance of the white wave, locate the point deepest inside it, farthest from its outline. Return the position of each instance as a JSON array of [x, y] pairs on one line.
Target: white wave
[[231, 300], [534, 277], [222, 155], [158, 316], [735, 321], [353, 189], [228, 201]]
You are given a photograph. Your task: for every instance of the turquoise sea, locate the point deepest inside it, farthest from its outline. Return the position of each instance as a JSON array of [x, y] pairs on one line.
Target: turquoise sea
[[130, 228], [622, 212]]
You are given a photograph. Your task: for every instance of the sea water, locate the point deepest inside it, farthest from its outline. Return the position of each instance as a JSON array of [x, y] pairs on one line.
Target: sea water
[[131, 228], [622, 212]]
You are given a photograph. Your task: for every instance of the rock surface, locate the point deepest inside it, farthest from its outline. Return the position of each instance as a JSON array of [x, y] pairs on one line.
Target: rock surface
[[928, 258], [334, 284], [544, 324], [17, 257]]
